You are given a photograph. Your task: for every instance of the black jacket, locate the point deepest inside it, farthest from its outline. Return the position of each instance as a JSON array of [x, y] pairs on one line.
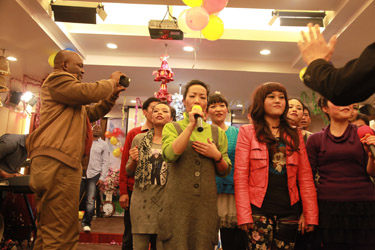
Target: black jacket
[[353, 83]]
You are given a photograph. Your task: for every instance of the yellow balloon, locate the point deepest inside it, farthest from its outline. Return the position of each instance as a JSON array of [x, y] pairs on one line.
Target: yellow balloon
[[116, 152], [214, 29], [51, 59], [193, 3], [302, 73], [113, 140]]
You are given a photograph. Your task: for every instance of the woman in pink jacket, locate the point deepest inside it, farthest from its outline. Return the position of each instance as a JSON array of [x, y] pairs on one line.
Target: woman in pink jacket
[[271, 172]]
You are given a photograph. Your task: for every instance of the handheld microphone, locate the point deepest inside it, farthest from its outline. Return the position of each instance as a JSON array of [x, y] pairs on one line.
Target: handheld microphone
[[364, 130], [198, 118]]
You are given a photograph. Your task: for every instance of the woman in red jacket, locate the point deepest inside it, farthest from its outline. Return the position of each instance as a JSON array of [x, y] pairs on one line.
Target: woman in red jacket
[[270, 160]]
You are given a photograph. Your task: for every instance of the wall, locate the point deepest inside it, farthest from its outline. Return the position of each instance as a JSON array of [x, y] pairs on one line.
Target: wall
[[316, 123], [11, 122]]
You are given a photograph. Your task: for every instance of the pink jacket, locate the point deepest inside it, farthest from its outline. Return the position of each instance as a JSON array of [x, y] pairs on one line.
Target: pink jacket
[[251, 177]]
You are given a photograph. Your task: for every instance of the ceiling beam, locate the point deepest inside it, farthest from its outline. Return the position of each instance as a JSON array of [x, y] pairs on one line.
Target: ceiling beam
[[40, 12]]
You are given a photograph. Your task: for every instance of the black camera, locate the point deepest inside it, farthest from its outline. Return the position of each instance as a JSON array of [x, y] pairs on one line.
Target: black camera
[[124, 81]]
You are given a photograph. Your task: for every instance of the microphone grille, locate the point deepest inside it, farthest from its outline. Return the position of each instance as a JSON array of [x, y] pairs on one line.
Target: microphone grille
[[197, 107]]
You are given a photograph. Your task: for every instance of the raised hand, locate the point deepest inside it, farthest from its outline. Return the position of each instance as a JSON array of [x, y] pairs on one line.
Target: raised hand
[[316, 47]]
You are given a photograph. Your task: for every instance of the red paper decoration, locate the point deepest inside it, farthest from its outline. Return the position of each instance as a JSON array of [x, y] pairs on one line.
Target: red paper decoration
[[163, 75]]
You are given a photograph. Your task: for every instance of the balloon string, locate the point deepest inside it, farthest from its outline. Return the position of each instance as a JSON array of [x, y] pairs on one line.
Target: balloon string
[[196, 48]]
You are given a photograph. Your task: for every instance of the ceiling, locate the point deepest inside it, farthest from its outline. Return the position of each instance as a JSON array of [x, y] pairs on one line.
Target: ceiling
[[231, 65]]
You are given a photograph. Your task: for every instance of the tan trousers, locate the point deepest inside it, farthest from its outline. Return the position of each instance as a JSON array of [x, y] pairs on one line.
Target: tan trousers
[[56, 186]]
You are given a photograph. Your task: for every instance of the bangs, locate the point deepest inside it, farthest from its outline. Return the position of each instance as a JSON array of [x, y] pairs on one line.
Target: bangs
[[269, 87], [217, 98]]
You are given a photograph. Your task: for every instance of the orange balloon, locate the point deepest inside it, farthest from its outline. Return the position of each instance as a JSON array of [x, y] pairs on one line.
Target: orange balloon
[[107, 134]]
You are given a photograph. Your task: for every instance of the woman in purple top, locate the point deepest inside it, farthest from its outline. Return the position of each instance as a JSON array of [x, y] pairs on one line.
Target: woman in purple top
[[346, 195]]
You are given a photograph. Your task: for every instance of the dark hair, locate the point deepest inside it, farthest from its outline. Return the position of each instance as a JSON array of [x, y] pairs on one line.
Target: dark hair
[[195, 82], [303, 105], [363, 117], [173, 113], [367, 109], [249, 109], [262, 130], [323, 102], [149, 101], [306, 108], [217, 98]]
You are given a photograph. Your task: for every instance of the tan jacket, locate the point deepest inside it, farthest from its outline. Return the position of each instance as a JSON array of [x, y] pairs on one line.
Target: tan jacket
[[65, 105]]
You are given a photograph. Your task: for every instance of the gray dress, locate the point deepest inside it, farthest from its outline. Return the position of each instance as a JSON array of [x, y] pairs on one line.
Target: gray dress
[[146, 203], [189, 219]]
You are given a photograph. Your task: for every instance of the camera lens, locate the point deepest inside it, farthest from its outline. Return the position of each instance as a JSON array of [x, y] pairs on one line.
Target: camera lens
[[124, 81]]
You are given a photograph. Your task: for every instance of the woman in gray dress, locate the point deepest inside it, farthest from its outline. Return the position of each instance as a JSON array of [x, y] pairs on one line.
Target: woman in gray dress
[[189, 219]]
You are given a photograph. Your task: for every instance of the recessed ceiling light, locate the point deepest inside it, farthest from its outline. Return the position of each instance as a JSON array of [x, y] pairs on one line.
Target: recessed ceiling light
[[12, 58], [111, 46], [239, 105], [265, 52], [133, 101], [188, 48]]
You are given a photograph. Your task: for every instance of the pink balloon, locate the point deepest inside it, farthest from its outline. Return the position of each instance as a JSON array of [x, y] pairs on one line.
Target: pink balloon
[[214, 6], [197, 18]]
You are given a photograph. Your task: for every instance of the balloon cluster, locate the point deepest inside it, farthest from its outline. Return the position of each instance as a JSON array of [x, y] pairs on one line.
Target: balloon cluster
[[112, 136], [203, 16]]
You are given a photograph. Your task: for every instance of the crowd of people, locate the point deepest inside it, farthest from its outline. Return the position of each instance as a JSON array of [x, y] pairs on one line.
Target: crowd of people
[[270, 184]]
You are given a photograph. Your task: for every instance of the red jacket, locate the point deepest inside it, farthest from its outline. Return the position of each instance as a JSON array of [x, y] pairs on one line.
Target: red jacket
[[251, 177]]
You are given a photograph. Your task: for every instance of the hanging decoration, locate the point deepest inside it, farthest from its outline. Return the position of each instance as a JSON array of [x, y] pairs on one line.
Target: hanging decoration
[[4, 71], [163, 75], [214, 29], [214, 6], [123, 112], [178, 105], [138, 103], [202, 16], [115, 136], [197, 18], [192, 3]]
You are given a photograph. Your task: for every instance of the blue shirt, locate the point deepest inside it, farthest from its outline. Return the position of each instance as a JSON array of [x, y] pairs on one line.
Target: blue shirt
[[226, 185]]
